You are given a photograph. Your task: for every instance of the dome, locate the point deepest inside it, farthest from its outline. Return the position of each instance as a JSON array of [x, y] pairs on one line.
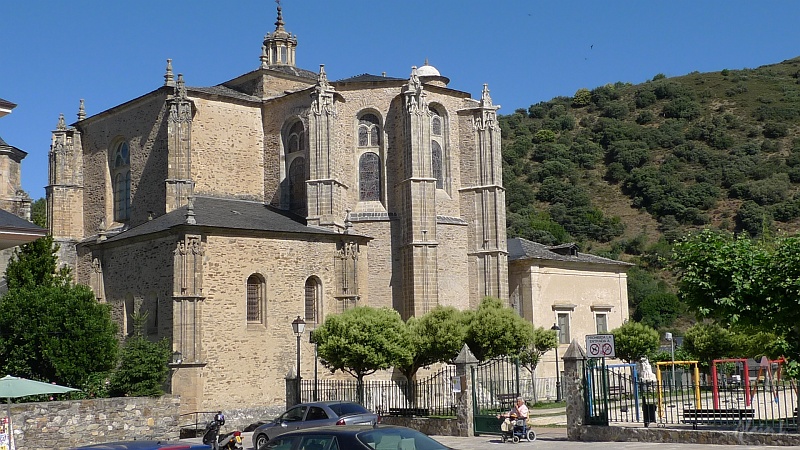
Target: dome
[[428, 71]]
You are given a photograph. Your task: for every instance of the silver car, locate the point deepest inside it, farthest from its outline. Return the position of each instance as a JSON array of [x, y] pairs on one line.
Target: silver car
[[311, 415]]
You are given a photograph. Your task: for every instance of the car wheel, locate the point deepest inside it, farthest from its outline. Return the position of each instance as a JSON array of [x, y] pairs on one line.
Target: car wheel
[[261, 441]]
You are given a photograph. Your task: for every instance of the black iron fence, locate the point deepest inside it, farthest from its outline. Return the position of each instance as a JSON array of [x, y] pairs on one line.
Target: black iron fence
[[687, 399], [425, 397]]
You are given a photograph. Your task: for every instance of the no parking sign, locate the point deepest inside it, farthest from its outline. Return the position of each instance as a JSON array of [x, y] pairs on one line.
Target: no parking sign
[[600, 346]]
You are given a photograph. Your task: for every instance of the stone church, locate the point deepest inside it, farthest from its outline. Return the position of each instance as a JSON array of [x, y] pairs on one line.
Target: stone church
[[220, 214]]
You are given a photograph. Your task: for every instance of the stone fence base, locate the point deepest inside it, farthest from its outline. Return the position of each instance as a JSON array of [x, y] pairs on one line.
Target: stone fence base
[[686, 436], [429, 426], [67, 424]]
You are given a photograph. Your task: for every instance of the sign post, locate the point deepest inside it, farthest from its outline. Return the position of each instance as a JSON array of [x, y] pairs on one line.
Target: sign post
[[600, 346]]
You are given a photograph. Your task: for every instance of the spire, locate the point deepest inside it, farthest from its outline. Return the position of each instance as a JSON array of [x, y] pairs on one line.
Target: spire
[[190, 212], [279, 46], [62, 124], [81, 111], [485, 99], [169, 80]]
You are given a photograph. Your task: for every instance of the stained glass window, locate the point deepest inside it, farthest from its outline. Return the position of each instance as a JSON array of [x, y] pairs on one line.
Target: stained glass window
[[297, 186], [368, 131], [369, 169], [436, 164], [121, 173], [255, 293]]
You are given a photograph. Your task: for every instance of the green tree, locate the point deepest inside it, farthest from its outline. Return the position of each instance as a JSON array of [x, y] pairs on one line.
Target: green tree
[[658, 310], [35, 264], [496, 330], [143, 368], [435, 337], [56, 332], [707, 342], [633, 340], [543, 341], [582, 98], [39, 212], [363, 340], [740, 281]]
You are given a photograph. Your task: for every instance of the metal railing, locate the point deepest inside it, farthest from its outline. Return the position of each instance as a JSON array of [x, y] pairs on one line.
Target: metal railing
[[430, 396], [762, 404]]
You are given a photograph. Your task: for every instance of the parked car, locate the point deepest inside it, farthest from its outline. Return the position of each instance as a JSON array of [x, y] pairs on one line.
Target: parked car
[[145, 445], [312, 415], [358, 437]]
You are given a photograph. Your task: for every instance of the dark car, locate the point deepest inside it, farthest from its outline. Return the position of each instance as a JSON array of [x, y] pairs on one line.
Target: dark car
[[360, 437], [312, 415], [144, 445]]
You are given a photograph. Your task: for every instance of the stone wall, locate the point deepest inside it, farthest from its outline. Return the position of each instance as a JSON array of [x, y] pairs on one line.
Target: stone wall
[[80, 422], [429, 426], [592, 433]]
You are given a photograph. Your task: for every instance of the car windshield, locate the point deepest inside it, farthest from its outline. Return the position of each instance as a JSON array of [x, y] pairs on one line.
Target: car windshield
[[344, 409], [398, 438]]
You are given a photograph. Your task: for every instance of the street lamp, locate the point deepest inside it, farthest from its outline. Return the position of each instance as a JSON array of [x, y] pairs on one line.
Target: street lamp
[[298, 326], [557, 329], [313, 340], [668, 336]]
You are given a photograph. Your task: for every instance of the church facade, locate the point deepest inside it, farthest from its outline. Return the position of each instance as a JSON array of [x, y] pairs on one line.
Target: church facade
[[217, 215]]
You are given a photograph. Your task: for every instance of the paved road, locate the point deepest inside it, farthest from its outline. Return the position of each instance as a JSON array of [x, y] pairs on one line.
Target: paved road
[[554, 439]]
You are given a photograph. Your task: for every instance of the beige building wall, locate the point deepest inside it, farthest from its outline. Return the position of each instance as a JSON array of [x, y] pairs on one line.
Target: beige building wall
[[581, 292]]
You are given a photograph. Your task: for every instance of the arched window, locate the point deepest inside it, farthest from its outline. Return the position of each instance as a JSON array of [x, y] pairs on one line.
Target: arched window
[[297, 186], [439, 154], [313, 300], [295, 140], [369, 173], [436, 164], [369, 131], [255, 299], [121, 178]]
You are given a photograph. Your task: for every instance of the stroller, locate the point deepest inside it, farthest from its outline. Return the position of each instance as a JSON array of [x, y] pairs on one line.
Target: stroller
[[515, 430]]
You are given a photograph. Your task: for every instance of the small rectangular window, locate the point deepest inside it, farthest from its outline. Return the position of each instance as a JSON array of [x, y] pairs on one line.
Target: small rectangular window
[[563, 324], [601, 322]]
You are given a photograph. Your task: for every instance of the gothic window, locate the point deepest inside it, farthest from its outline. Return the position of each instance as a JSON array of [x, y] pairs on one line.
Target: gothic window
[[295, 141], [313, 295], [297, 186], [369, 172], [436, 164], [439, 153], [368, 131], [255, 299], [436, 125], [121, 179]]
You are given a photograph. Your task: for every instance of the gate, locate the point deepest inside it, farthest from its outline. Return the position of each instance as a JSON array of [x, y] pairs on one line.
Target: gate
[[595, 380], [495, 386]]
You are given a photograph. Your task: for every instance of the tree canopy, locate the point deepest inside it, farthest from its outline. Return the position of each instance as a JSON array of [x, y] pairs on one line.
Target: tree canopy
[[737, 280], [543, 341], [435, 337], [633, 340], [496, 330], [363, 340]]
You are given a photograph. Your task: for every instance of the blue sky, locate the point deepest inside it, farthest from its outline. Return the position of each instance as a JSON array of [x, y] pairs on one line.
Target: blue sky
[[55, 53]]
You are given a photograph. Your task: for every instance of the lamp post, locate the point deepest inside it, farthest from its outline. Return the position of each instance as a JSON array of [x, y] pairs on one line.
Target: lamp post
[[298, 326], [668, 336], [557, 329], [313, 340]]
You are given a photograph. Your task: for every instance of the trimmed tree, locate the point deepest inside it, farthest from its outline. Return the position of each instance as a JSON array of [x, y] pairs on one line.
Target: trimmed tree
[[633, 340], [496, 330], [363, 340], [435, 337]]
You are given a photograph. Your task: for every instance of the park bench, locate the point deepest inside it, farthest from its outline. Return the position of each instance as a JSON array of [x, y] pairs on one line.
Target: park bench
[[720, 416], [409, 412], [616, 391]]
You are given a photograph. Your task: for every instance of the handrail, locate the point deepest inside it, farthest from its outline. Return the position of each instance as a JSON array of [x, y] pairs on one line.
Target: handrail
[[196, 418]]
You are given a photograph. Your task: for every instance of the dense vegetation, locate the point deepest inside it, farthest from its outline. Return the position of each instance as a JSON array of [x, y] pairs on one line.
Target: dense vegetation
[[626, 170]]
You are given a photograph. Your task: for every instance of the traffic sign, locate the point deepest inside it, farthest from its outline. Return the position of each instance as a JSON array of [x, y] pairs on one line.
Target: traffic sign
[[600, 346]]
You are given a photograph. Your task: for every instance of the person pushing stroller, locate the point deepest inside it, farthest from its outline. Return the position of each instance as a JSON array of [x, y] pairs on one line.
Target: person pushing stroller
[[515, 423]]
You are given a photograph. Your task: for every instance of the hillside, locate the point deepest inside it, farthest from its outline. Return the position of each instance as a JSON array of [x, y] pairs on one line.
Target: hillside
[[624, 170]]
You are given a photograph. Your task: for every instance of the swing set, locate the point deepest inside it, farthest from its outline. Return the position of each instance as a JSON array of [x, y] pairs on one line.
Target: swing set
[[659, 379]]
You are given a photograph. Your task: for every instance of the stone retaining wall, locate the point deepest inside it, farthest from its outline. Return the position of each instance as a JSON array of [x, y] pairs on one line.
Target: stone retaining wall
[[593, 433], [65, 424], [429, 426]]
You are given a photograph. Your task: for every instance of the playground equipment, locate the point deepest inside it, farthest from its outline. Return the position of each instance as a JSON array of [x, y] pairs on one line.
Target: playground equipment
[[770, 378], [620, 382], [748, 395], [696, 377]]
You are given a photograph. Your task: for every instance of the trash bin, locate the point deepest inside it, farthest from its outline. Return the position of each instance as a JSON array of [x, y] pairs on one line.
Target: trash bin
[[649, 411]]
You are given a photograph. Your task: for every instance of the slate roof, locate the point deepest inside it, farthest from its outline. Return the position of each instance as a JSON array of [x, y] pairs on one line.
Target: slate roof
[[364, 77], [230, 214], [9, 221], [7, 104], [520, 249], [296, 71], [225, 92]]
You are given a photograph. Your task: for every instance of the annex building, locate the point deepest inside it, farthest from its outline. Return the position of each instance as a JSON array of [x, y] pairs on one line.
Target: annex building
[[221, 213]]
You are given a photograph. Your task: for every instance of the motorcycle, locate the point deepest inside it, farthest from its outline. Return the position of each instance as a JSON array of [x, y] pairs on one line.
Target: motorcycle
[[227, 441]]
